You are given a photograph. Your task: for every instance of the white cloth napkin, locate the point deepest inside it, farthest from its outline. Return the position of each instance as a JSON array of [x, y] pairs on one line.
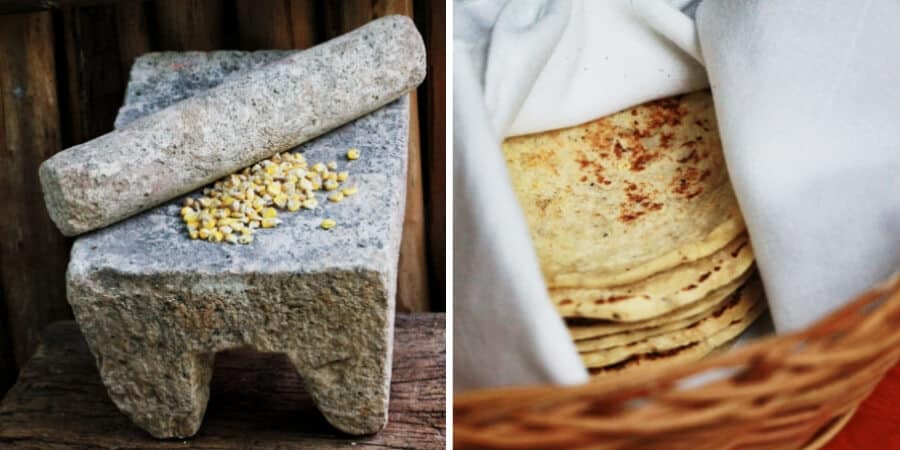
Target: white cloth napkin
[[805, 93]]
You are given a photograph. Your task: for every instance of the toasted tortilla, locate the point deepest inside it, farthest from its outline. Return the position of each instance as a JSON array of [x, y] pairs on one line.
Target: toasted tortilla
[[618, 199], [582, 329], [710, 332], [661, 293]]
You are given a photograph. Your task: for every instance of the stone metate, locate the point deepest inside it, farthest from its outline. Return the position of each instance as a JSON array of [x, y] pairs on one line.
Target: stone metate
[[155, 306], [243, 120]]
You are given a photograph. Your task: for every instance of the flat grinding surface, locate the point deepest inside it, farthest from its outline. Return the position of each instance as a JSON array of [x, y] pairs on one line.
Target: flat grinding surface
[[244, 119], [155, 305], [257, 401]]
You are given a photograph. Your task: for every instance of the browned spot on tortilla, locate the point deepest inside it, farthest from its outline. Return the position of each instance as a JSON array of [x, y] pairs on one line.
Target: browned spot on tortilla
[[636, 359], [543, 203], [704, 277], [717, 268], [738, 250], [566, 301], [639, 202], [689, 287]]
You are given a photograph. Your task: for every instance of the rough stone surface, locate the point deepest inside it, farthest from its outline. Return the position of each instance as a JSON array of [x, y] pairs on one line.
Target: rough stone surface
[[155, 306], [243, 120]]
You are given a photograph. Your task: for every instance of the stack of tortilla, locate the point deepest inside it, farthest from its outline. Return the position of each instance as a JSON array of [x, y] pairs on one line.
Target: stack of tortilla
[[639, 234]]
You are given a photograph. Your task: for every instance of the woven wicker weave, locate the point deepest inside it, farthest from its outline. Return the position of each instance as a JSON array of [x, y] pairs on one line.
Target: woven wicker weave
[[785, 392]]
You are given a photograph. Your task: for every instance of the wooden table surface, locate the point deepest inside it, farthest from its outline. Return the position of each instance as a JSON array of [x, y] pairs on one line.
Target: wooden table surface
[[876, 424], [256, 400]]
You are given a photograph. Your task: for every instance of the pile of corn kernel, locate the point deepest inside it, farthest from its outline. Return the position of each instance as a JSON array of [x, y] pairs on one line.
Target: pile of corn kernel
[[237, 205]]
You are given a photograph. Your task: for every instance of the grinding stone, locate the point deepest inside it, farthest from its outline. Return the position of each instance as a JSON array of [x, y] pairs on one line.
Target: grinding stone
[[155, 306], [244, 119]]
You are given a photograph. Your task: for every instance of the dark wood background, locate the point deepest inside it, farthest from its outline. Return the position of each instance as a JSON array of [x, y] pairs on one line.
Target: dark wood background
[[64, 66]]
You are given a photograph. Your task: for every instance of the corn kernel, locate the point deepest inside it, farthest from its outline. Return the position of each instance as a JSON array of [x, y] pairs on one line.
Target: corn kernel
[[230, 238], [246, 239], [318, 167], [204, 233], [332, 165], [336, 197], [310, 203], [269, 213], [269, 222], [280, 200], [331, 185], [353, 154], [342, 176], [328, 224], [218, 236], [348, 191], [194, 234], [293, 205]]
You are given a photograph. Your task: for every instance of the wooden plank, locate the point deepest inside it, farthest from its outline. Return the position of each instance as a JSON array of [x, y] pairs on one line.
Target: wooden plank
[[282, 24], [431, 19], [134, 37], [257, 400], [33, 254], [191, 24], [304, 16], [264, 25], [412, 275], [20, 6], [95, 77]]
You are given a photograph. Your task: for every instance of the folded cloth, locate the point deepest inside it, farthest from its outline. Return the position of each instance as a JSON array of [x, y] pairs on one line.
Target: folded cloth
[[524, 66], [805, 94]]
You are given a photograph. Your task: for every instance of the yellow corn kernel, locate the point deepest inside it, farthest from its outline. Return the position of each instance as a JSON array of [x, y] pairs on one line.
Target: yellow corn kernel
[[205, 202], [253, 224], [269, 222], [269, 213], [274, 188], [227, 200], [293, 205], [218, 236], [246, 239], [271, 169], [280, 200], [226, 230], [306, 185], [208, 223], [204, 233], [348, 191], [342, 176], [328, 224], [188, 201], [194, 234], [331, 185], [231, 239], [353, 154], [332, 165], [333, 176], [310, 203], [336, 197]]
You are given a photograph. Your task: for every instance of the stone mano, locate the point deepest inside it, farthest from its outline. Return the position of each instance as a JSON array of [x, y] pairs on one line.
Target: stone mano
[[155, 306]]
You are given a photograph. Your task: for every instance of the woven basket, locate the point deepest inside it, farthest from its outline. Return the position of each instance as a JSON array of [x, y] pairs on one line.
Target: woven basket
[[786, 392]]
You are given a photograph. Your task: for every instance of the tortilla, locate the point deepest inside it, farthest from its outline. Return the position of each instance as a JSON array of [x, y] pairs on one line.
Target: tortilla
[[710, 332], [590, 328], [660, 293], [626, 196], [659, 360], [735, 306]]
